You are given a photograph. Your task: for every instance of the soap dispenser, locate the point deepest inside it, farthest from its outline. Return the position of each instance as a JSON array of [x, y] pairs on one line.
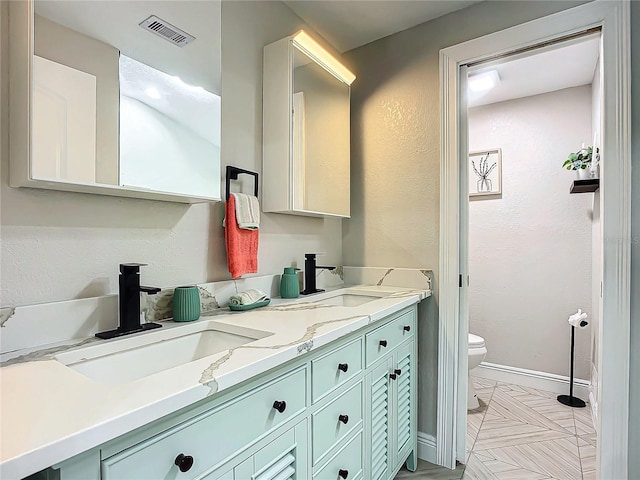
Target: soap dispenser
[[289, 283]]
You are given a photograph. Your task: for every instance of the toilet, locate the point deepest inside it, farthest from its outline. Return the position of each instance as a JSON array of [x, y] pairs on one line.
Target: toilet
[[477, 352]]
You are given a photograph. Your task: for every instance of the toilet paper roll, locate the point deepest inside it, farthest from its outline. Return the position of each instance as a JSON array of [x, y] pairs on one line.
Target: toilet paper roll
[[578, 319]]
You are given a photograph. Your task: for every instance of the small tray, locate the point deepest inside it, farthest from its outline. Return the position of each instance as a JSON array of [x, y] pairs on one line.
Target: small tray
[[242, 308]]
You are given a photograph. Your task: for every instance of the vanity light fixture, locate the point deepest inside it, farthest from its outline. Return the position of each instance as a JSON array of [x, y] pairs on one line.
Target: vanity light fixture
[[309, 46], [484, 81], [153, 92]]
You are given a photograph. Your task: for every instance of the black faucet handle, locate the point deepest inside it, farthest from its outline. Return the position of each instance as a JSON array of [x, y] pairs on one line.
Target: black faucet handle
[[150, 290], [130, 268]]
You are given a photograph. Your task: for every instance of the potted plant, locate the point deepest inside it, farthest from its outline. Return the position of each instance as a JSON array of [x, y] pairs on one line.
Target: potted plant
[[580, 161]]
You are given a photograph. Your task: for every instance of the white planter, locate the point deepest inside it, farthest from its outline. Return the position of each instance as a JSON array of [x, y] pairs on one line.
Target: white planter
[[583, 173]]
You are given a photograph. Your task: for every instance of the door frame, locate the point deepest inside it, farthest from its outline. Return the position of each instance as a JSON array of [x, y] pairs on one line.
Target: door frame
[[613, 17]]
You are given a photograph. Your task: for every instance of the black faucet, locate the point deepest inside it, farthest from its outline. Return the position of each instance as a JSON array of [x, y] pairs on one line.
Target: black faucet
[[129, 299], [310, 268]]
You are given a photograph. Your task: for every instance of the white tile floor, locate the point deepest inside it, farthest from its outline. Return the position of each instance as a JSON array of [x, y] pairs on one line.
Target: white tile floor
[[521, 433]]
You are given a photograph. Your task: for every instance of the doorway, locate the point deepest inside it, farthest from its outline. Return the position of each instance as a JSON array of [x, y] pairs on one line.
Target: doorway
[[613, 385]]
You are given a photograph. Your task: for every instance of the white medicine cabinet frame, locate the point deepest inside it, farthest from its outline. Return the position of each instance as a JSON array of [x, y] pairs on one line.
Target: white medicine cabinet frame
[[306, 133]]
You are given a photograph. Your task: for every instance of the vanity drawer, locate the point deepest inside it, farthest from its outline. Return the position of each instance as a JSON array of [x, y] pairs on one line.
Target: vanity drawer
[[328, 371], [212, 436], [334, 421], [348, 459], [384, 339]]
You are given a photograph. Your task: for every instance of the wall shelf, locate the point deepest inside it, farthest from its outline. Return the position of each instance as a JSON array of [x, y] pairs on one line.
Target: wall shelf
[[585, 186]]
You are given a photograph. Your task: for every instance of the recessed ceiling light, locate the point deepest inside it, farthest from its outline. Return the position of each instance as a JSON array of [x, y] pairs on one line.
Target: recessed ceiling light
[[483, 82], [152, 92]]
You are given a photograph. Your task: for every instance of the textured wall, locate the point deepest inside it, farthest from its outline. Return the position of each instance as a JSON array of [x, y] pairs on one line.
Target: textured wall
[[530, 248], [58, 245], [395, 153]]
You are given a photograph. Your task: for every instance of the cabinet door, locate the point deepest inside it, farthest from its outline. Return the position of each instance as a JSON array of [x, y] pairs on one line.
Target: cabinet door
[[378, 424], [284, 458], [404, 401]]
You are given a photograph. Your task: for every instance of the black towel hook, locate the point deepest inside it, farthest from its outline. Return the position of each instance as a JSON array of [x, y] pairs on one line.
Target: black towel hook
[[232, 174]]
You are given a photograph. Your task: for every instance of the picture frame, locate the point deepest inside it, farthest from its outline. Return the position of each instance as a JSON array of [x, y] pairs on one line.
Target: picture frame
[[485, 172]]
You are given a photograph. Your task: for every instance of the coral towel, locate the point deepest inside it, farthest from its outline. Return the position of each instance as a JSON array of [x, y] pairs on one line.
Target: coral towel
[[242, 245]]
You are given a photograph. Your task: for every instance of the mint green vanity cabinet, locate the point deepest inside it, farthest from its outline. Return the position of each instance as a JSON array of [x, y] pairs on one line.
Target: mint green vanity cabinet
[[403, 394], [334, 368], [348, 406], [391, 385], [284, 457], [209, 438], [386, 338], [335, 420], [378, 425], [345, 464]]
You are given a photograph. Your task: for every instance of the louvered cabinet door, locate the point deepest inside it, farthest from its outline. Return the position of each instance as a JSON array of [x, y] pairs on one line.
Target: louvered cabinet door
[[404, 395], [378, 424], [285, 458]]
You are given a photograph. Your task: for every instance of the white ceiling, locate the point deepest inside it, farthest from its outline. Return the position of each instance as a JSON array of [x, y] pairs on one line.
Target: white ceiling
[[564, 65], [193, 107], [347, 24]]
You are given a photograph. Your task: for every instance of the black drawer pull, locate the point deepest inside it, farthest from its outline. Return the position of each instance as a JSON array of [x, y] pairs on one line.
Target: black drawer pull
[[397, 371], [343, 366], [383, 343], [280, 406], [393, 376], [343, 473], [344, 419], [184, 462], [407, 328]]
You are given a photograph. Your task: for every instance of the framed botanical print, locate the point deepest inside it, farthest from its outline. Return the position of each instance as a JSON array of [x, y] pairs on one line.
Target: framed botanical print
[[485, 172]]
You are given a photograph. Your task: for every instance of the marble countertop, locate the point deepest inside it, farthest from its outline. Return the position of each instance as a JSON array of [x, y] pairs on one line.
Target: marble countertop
[[51, 412]]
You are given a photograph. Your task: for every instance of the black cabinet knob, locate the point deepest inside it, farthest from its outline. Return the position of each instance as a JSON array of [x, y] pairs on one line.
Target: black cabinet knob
[[397, 371], [343, 473], [407, 328], [280, 406], [393, 376], [343, 366], [344, 419], [383, 343], [184, 462]]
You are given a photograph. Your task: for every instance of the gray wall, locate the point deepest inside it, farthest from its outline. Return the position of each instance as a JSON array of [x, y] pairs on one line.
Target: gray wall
[[634, 399], [395, 147], [530, 247], [58, 246]]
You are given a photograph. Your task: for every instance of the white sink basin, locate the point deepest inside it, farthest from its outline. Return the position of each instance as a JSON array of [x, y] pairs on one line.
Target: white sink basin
[[128, 359], [350, 298]]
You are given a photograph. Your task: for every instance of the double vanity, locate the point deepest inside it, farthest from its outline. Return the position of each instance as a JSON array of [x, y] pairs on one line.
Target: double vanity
[[322, 387]]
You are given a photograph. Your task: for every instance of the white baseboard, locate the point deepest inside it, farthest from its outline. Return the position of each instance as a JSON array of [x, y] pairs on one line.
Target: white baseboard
[[549, 382], [427, 447]]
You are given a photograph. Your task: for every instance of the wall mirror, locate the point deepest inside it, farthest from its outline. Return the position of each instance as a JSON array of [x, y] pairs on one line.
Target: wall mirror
[[306, 129], [124, 97]]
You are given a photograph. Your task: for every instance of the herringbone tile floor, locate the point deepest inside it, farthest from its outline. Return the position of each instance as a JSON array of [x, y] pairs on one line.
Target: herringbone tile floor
[[521, 433]]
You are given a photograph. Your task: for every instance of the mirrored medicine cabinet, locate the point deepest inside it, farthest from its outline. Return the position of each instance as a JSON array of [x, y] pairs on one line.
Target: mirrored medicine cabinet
[[306, 129], [116, 98]]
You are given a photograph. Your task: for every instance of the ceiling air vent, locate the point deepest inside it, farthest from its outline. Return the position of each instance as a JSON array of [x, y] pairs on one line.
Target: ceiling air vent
[[167, 31]]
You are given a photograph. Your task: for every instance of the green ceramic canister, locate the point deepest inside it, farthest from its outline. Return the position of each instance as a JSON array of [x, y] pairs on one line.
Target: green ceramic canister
[[289, 283], [186, 304]]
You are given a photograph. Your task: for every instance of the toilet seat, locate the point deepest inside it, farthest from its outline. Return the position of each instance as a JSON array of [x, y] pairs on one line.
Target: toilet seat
[[475, 341]]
